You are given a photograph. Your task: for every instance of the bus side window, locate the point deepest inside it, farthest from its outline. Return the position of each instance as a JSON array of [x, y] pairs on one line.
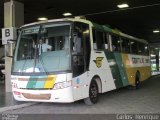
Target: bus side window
[[94, 39], [100, 40], [146, 50], [106, 42], [141, 48], [116, 43], [125, 45], [134, 47]]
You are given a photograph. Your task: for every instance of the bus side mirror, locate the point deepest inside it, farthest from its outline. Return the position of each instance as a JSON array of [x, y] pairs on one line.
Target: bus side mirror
[[9, 48]]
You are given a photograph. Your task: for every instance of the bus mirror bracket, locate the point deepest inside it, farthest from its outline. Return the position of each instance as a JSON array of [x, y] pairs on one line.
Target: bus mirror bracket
[[11, 41], [10, 56]]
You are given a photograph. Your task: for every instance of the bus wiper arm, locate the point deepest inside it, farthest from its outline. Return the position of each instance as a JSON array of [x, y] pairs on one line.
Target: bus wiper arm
[[36, 48]]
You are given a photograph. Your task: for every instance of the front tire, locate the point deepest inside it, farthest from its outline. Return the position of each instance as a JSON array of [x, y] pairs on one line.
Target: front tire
[[93, 94]]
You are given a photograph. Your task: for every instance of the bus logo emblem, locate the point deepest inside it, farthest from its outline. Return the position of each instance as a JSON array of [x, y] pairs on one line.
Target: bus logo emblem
[[98, 61]]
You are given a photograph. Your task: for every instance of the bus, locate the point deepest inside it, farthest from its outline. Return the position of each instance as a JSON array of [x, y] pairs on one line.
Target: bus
[[80, 60]]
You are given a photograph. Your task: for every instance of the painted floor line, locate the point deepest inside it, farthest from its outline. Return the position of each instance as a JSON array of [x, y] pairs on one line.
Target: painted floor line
[[3, 109]]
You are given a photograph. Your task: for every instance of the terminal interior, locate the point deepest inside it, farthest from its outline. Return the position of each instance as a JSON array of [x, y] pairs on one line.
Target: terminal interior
[[141, 19]]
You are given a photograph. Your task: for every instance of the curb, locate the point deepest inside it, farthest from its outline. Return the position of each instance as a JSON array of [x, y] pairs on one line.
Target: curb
[[3, 109]]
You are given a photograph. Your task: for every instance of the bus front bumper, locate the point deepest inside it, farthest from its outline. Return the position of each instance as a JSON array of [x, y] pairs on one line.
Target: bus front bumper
[[64, 95]]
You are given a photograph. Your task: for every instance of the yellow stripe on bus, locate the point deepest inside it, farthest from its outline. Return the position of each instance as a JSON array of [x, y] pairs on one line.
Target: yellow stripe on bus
[[50, 81], [145, 72]]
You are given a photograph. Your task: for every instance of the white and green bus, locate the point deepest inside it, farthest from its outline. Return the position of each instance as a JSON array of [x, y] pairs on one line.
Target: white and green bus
[[80, 59]]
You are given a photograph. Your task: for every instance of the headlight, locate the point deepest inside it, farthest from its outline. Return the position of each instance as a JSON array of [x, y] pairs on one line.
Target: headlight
[[62, 85]]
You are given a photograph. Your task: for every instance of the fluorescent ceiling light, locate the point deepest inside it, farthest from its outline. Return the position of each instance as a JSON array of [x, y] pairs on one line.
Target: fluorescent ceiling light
[[153, 55], [42, 18], [67, 14], [123, 6], [155, 31]]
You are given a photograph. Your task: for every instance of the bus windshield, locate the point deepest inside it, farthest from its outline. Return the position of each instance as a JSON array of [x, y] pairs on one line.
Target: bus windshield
[[43, 48]]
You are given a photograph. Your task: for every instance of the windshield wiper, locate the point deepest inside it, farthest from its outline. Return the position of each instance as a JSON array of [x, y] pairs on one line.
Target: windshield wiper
[[37, 57], [36, 48], [27, 55]]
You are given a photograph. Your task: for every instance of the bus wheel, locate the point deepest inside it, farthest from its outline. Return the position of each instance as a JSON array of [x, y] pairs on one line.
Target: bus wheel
[[137, 81], [93, 94]]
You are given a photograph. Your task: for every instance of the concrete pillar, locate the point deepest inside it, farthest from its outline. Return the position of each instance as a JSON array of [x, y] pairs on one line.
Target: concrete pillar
[[13, 17]]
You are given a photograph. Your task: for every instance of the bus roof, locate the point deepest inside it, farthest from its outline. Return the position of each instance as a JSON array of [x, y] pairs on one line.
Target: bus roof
[[47, 21], [117, 32], [101, 27], [58, 20]]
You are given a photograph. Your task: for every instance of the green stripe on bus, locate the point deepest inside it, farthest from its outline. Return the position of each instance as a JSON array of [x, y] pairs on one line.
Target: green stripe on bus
[[113, 58], [32, 82], [122, 69]]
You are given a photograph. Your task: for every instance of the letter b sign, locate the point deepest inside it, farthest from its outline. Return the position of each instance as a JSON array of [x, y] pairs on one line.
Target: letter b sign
[[7, 32]]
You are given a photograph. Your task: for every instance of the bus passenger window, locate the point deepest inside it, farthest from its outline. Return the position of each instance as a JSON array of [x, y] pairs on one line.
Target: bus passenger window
[[106, 41], [94, 40], [146, 50], [116, 43], [125, 45], [134, 47], [141, 48], [100, 40]]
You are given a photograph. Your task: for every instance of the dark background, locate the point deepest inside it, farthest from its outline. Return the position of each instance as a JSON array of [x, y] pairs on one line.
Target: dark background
[[142, 17]]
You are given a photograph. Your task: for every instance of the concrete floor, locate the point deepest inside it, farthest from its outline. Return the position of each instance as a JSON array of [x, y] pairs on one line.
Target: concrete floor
[[6, 99], [145, 100]]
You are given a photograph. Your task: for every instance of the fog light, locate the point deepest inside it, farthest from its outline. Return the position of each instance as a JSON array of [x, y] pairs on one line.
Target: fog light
[[16, 93]]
